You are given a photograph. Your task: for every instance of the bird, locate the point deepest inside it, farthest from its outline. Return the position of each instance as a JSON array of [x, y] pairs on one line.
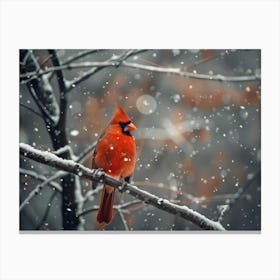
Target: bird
[[115, 154]]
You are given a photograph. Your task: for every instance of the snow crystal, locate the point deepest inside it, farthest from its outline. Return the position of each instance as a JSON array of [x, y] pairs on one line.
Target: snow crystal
[[176, 98], [248, 89], [74, 132]]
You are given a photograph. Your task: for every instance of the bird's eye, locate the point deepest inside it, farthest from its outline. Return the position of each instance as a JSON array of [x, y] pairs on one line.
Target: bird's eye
[[123, 126]]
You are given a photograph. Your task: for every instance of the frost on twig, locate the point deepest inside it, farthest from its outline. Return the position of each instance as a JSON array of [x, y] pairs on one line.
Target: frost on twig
[[82, 171], [222, 210]]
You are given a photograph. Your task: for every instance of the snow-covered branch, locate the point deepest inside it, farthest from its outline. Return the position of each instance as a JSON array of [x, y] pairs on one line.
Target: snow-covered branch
[[71, 166], [115, 62], [178, 71]]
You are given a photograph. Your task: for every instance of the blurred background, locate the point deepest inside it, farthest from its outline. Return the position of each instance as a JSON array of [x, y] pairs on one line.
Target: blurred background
[[198, 140]]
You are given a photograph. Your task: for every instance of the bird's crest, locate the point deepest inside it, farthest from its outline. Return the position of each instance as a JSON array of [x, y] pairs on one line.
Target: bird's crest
[[119, 116]]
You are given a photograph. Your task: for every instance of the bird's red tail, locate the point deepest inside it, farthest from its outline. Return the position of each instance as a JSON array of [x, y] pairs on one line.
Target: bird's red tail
[[105, 211]]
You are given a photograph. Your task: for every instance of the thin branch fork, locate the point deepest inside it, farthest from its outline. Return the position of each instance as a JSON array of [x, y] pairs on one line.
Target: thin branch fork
[[98, 175]]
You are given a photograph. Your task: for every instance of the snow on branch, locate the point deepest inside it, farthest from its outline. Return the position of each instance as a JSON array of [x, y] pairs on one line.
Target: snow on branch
[[71, 166], [178, 71], [120, 62]]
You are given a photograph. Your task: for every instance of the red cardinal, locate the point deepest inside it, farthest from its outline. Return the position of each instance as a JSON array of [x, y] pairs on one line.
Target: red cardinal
[[115, 153]]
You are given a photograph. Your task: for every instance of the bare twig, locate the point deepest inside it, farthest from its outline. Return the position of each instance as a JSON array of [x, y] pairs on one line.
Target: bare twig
[[59, 73], [130, 203], [86, 152], [91, 193], [238, 195], [242, 190], [79, 55], [115, 60], [96, 175], [42, 178], [79, 199], [45, 216], [189, 197], [122, 207], [36, 190], [31, 110], [202, 61], [123, 219]]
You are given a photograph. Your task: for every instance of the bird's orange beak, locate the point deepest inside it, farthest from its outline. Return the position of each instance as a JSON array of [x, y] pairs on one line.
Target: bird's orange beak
[[130, 127]]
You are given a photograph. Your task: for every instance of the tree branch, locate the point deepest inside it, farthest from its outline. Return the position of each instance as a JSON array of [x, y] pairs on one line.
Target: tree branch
[[117, 207], [36, 190], [42, 178], [45, 216], [86, 152], [113, 62], [238, 195], [178, 71], [31, 110], [98, 175], [79, 55], [123, 219]]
